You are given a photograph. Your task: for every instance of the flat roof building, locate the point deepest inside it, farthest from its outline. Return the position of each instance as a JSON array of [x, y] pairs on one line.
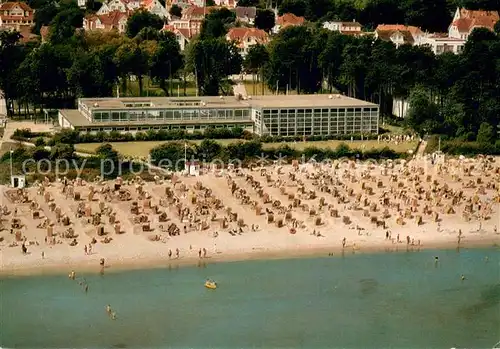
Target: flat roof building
[[277, 115]]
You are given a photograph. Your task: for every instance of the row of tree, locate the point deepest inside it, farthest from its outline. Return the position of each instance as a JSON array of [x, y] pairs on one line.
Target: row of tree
[[430, 15], [451, 94], [172, 153]]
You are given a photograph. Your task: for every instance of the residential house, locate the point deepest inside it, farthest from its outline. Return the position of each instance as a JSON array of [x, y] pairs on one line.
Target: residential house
[[247, 37], [155, 7], [462, 25], [115, 20], [118, 5], [347, 28], [15, 15], [399, 34], [226, 3], [441, 42], [181, 34], [191, 19], [246, 14], [287, 20], [465, 21]]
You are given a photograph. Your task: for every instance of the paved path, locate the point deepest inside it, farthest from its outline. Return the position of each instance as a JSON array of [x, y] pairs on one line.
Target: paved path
[[421, 148]]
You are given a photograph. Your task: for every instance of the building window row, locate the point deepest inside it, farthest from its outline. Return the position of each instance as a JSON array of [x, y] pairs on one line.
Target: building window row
[[171, 114]]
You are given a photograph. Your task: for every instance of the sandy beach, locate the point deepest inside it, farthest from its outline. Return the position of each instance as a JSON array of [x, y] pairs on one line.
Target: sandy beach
[[262, 212]]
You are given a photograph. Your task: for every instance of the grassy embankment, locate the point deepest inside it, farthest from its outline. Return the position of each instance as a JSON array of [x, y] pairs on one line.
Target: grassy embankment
[[142, 149]]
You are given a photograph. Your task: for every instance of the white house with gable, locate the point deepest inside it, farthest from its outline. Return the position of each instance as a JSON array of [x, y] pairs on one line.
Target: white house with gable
[[118, 5], [155, 7]]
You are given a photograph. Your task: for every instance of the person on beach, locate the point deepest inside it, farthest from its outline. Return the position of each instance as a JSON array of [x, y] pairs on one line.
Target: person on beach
[[108, 309], [177, 253], [86, 288], [199, 253], [72, 275], [85, 249], [169, 253], [204, 252], [43, 255], [343, 242], [90, 248]]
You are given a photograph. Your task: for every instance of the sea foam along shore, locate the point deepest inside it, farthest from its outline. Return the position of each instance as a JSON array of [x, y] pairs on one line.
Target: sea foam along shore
[[121, 262]]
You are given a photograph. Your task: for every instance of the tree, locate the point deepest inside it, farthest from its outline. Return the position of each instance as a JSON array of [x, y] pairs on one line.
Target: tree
[[216, 23], [497, 27], [44, 15], [132, 59], [12, 54], [293, 61], [297, 7], [211, 61], [93, 73], [210, 3], [175, 11], [486, 133], [62, 151], [147, 33], [433, 15], [63, 26], [209, 149], [166, 60], [254, 63], [141, 19], [330, 58], [423, 115], [264, 19]]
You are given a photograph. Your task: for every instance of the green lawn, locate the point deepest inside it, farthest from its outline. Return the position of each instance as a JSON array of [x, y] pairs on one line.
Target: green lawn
[[142, 149], [150, 89]]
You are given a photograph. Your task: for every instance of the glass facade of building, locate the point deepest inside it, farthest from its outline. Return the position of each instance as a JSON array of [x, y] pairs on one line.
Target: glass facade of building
[[314, 118], [324, 121], [168, 114]]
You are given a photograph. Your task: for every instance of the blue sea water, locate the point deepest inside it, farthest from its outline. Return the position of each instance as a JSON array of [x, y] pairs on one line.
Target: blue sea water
[[394, 300]]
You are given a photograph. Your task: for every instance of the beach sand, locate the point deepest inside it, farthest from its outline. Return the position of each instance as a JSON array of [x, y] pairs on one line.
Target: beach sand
[[426, 203]]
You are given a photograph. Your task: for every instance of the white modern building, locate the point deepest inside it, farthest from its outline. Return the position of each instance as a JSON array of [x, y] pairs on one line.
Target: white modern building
[[277, 115]]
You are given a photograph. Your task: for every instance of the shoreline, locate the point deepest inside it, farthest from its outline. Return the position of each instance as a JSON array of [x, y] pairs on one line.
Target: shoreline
[[157, 262]]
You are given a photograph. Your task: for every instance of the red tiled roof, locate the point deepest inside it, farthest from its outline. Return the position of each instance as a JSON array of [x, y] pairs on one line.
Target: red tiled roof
[[183, 31], [470, 19], [387, 34], [352, 24], [351, 32], [290, 19], [7, 6], [392, 27], [112, 18], [240, 34], [195, 11], [147, 3]]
